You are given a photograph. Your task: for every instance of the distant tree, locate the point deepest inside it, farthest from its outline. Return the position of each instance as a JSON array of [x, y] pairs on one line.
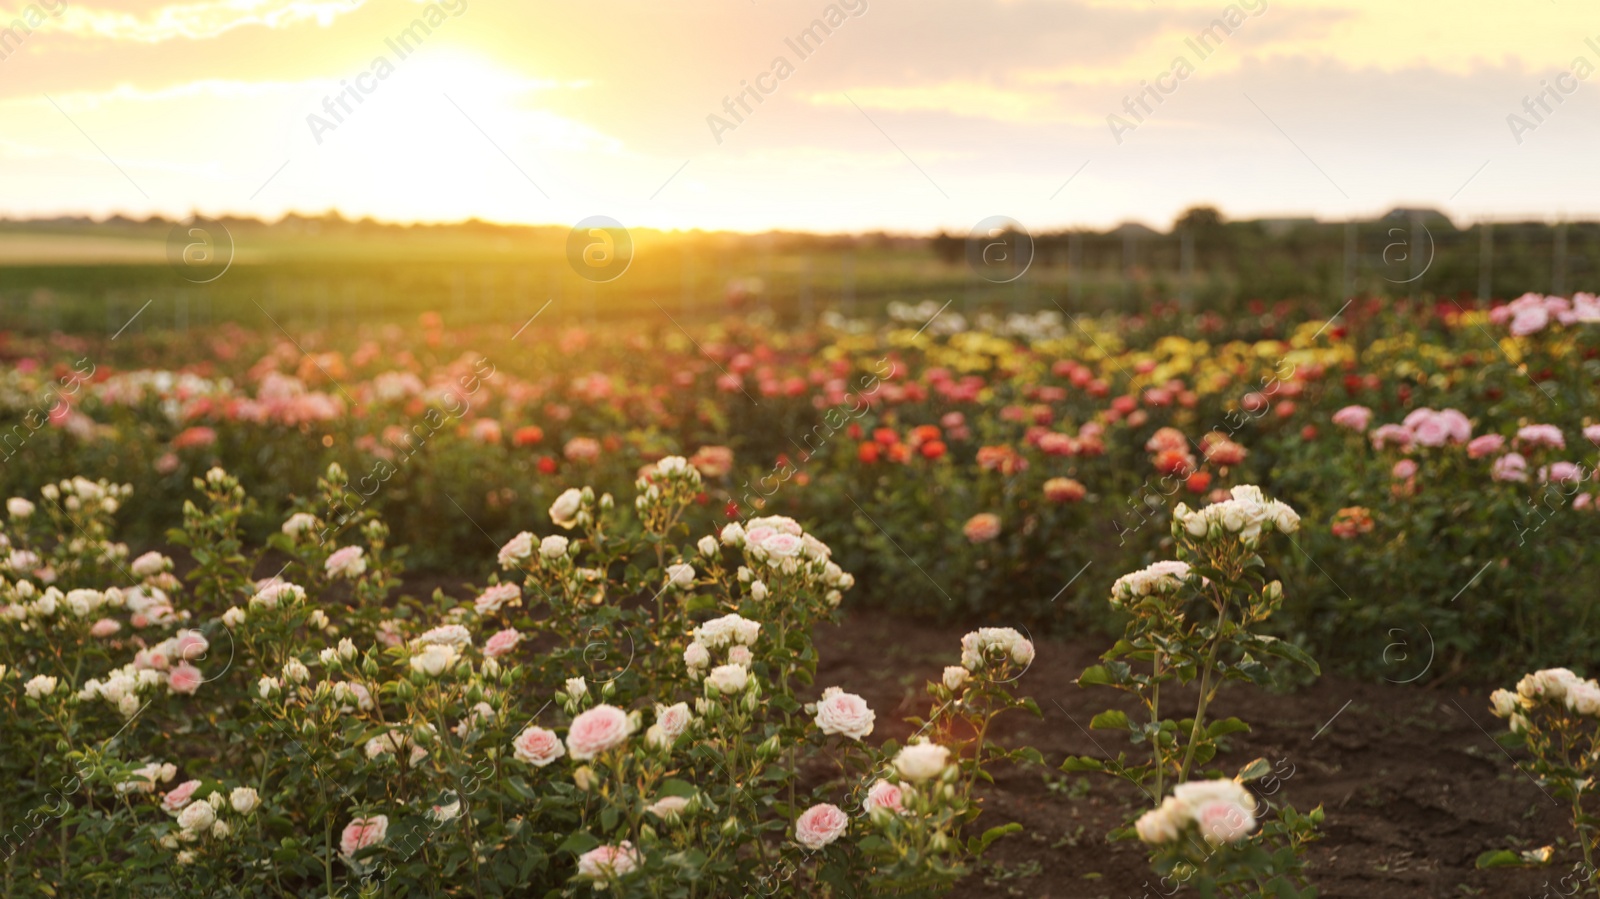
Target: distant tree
[[949, 248]]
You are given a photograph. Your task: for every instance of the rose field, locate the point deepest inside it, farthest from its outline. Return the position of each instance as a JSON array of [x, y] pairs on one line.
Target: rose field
[[1290, 602]]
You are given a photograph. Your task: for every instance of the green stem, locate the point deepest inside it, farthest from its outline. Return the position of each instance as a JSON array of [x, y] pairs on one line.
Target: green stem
[[1200, 708], [1155, 719]]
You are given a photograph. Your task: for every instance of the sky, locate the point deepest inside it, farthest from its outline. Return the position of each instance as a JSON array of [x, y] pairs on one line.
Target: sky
[[905, 115]]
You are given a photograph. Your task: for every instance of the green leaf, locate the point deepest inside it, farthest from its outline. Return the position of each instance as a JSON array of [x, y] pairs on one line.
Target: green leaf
[[578, 843], [1110, 719], [1255, 770], [672, 786], [1501, 858], [1077, 763], [1095, 675], [1226, 726], [992, 834]]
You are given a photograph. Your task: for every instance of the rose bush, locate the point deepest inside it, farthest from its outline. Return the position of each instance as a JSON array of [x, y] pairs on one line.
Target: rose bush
[[617, 710]]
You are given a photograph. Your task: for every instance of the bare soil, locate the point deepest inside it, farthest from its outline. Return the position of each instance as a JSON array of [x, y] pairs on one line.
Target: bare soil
[[1413, 784]]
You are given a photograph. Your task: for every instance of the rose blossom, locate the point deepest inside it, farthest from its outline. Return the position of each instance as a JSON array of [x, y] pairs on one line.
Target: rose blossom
[[1356, 418], [1224, 810], [668, 808], [434, 659], [516, 550], [883, 795], [820, 825], [596, 730], [349, 562], [918, 762], [502, 643], [564, 511], [197, 816], [1562, 473], [672, 720], [362, 833], [185, 679], [728, 678], [105, 627], [1486, 445], [1510, 467], [1403, 469], [244, 800], [608, 862], [493, 598], [538, 747], [1541, 435], [982, 528], [844, 713], [179, 796]]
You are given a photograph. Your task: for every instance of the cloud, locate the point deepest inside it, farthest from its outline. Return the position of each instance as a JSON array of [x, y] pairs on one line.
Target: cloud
[[197, 21]]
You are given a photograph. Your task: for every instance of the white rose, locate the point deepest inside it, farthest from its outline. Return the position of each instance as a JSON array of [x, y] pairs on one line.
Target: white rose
[[728, 678], [244, 800], [564, 511], [1504, 703], [434, 659], [707, 546], [733, 535], [921, 761], [955, 676], [197, 816], [553, 548], [18, 507], [696, 657], [680, 576], [41, 686]]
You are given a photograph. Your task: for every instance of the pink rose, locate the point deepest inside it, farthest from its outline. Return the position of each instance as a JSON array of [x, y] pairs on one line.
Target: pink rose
[[1541, 435], [1222, 821], [1592, 434], [185, 679], [884, 795], [1457, 423], [363, 833], [820, 825], [844, 713], [1356, 418], [538, 747], [105, 627], [673, 719], [1403, 469], [1487, 445], [349, 562], [502, 643], [608, 862], [600, 728], [1561, 473], [492, 599], [1510, 467], [1387, 435], [1431, 430], [190, 646], [179, 796]]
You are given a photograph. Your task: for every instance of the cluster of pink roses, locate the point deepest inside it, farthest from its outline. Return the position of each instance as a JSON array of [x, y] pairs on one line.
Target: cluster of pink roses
[[1532, 312]]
